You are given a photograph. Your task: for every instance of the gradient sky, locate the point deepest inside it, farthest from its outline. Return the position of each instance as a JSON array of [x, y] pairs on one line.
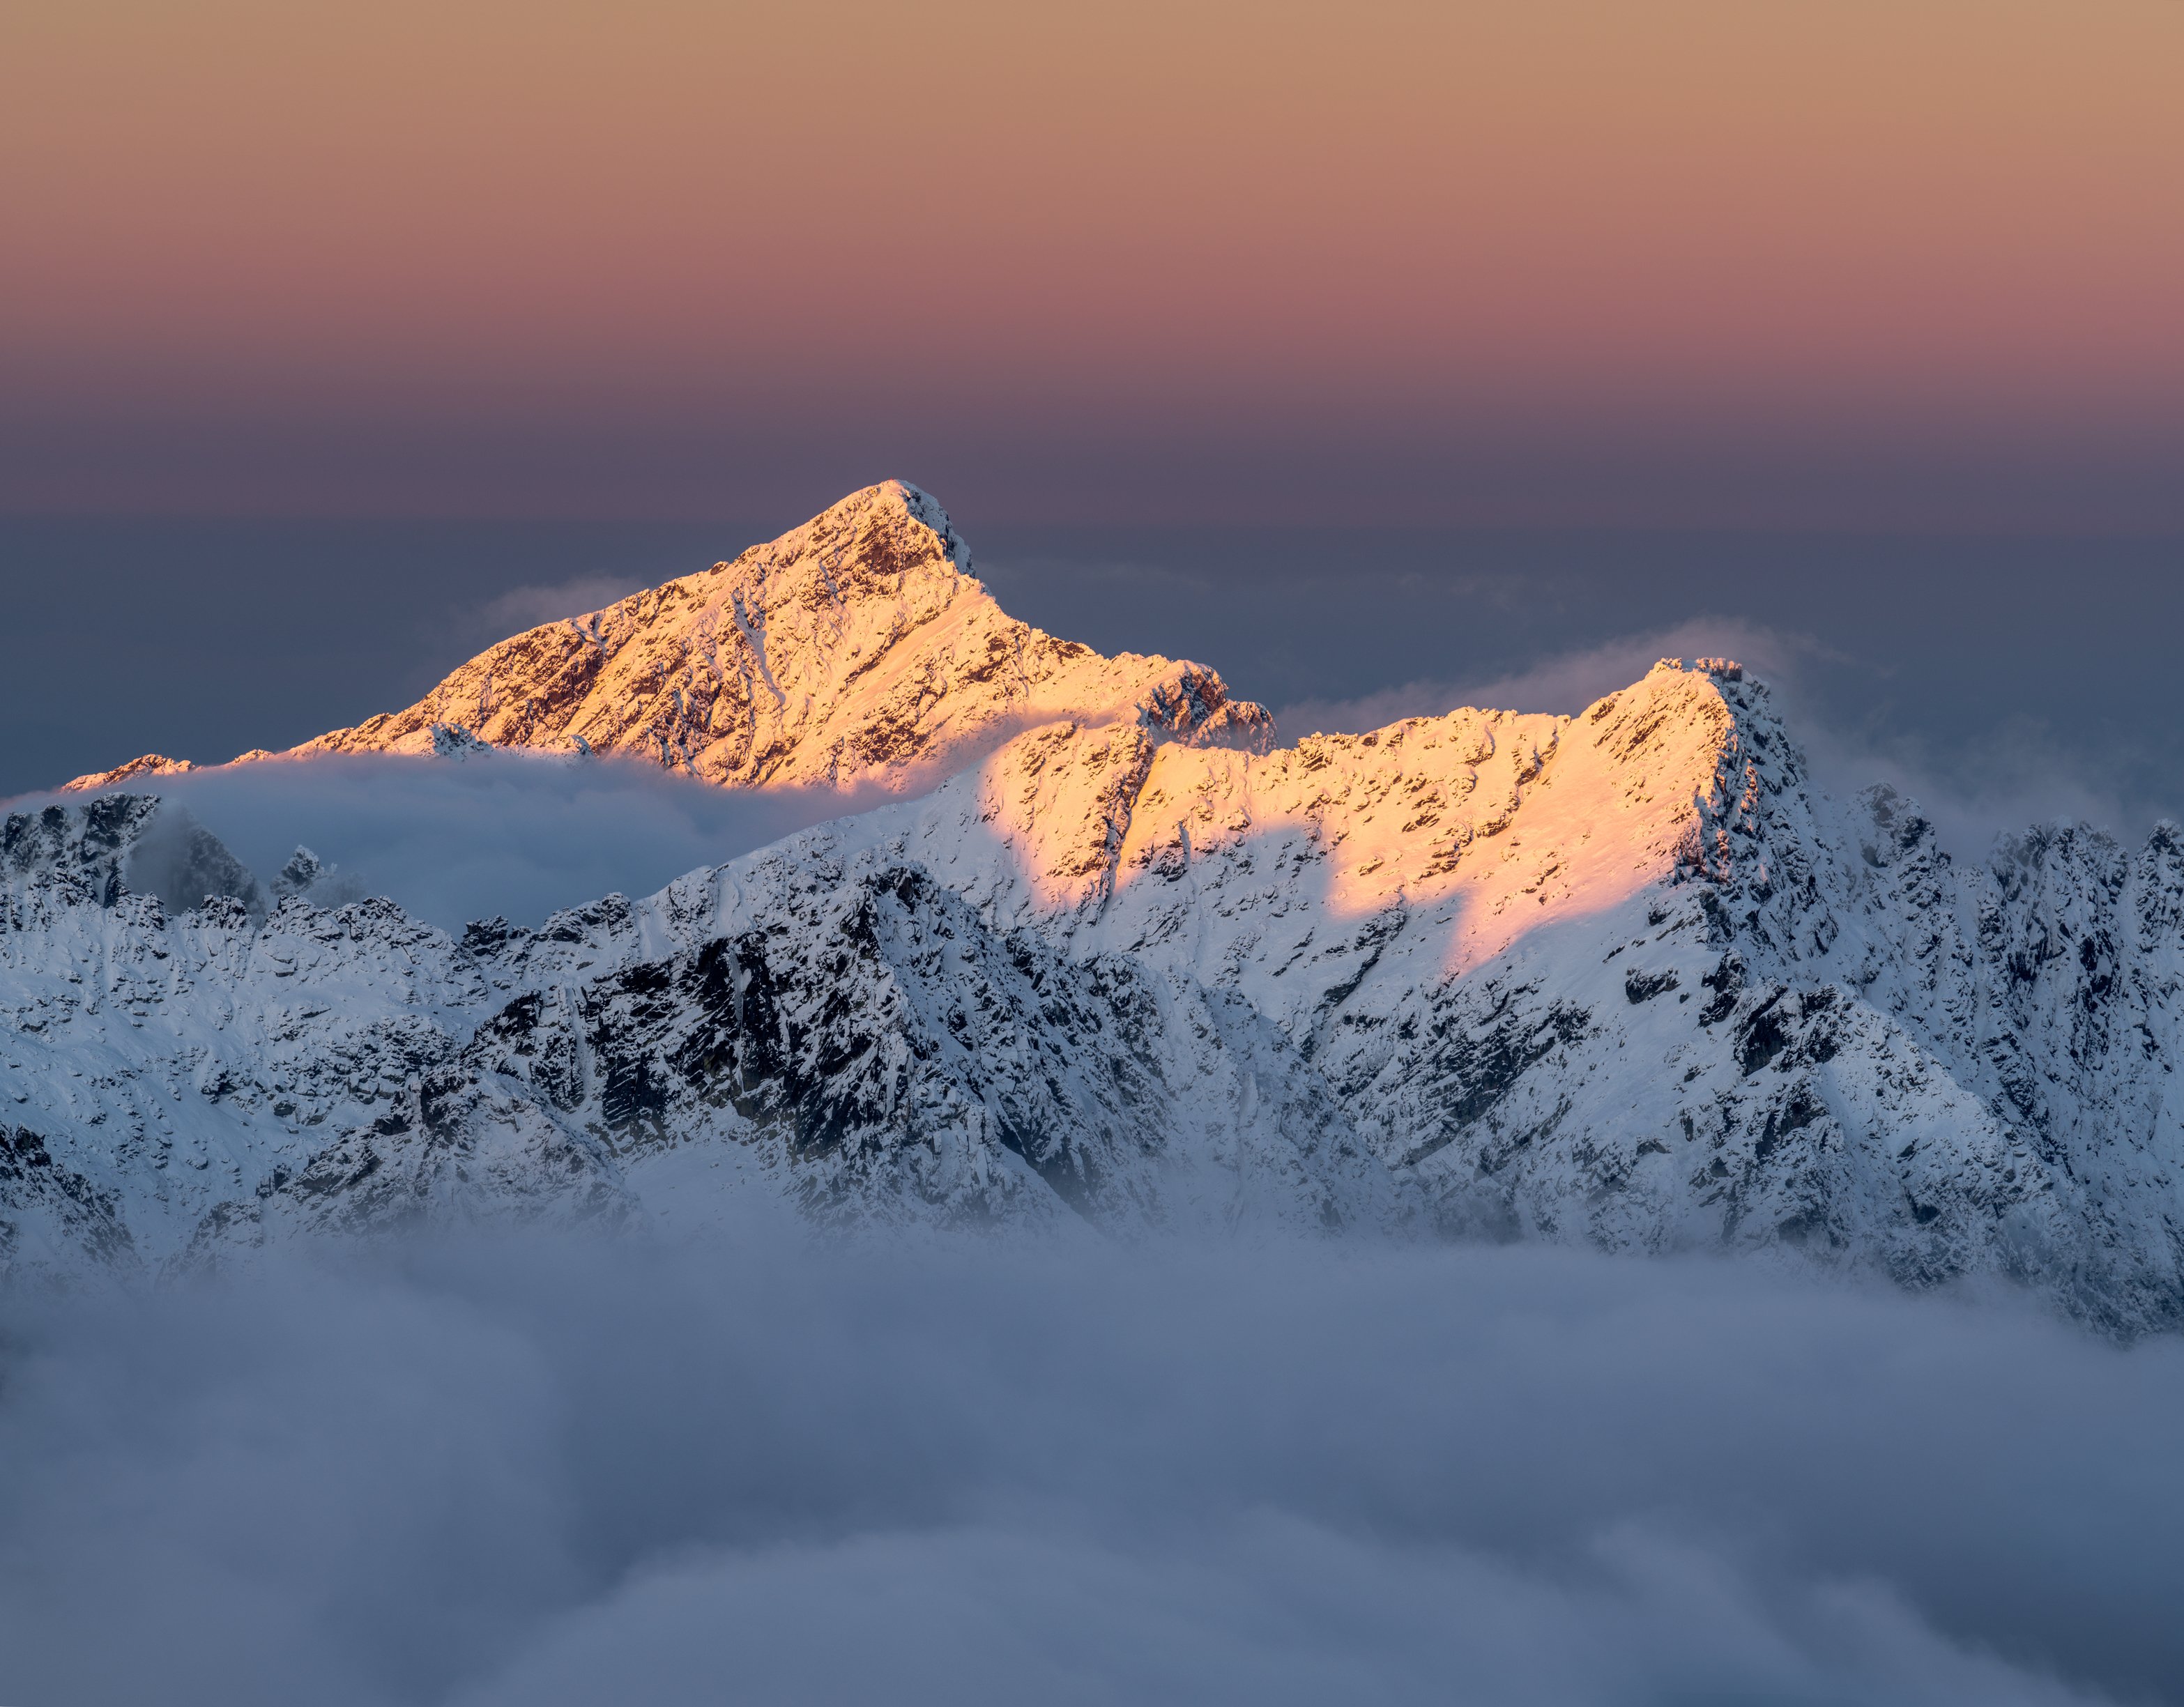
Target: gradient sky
[[1865, 263]]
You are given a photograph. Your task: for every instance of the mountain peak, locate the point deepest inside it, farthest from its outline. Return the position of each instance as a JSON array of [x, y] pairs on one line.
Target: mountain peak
[[893, 522], [923, 508], [857, 648]]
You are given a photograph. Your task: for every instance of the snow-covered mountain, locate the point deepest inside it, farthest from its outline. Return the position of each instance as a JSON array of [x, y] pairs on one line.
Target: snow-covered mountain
[[851, 1032], [856, 649], [1625, 978], [1629, 978]]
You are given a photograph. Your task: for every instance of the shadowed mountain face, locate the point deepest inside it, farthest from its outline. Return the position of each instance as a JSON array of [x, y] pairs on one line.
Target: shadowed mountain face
[[1626, 978]]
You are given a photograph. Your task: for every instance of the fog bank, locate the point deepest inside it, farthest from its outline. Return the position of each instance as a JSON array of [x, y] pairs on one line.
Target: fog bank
[[508, 834], [783, 1470]]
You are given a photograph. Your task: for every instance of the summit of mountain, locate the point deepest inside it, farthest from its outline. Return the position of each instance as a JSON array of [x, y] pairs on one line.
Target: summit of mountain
[[857, 649]]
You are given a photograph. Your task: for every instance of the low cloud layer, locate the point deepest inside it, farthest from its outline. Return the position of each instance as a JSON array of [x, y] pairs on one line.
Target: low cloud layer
[[507, 834], [788, 1470]]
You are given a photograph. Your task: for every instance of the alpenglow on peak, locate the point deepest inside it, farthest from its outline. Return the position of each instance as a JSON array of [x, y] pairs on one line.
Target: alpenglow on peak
[[857, 649]]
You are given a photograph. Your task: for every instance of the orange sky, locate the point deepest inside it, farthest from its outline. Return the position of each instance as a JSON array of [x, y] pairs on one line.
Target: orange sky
[[277, 256]]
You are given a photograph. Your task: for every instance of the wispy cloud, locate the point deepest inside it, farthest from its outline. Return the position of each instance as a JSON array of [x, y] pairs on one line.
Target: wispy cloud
[[522, 608], [1563, 682]]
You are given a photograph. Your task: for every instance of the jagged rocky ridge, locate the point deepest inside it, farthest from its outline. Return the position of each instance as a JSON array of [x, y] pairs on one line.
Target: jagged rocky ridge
[[852, 1033], [1626, 978]]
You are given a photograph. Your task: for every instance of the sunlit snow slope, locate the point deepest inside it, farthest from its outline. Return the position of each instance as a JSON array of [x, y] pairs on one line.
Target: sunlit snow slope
[[856, 649]]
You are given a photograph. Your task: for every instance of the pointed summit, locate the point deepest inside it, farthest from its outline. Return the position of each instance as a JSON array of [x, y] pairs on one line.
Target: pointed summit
[[891, 497], [856, 648], [892, 525]]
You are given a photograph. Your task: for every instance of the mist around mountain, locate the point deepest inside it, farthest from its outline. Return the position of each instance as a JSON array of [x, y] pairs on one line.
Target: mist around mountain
[[798, 1130]]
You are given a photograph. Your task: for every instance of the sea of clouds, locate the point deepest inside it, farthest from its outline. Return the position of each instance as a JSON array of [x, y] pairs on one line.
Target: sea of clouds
[[779, 1468]]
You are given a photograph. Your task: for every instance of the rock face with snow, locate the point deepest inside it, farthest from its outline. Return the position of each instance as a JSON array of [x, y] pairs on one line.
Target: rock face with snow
[[851, 1033], [1625, 978], [856, 649], [146, 765]]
